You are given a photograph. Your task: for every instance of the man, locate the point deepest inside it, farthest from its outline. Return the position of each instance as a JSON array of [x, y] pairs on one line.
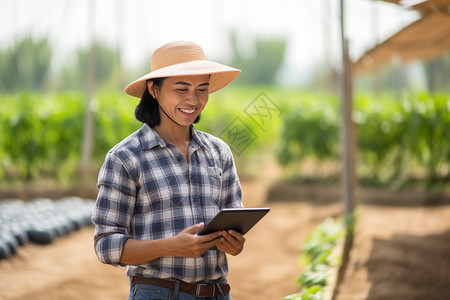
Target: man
[[160, 185]]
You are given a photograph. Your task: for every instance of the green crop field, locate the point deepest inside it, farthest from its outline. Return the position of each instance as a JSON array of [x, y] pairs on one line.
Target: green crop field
[[399, 138]]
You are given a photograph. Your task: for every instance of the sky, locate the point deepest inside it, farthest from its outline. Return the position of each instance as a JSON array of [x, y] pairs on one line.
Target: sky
[[138, 27]]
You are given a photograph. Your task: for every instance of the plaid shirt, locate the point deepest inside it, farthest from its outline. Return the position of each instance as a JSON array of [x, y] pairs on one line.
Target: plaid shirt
[[147, 191]]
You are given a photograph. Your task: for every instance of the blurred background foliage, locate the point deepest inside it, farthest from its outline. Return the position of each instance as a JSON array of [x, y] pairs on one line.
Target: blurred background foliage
[[25, 66], [260, 67], [73, 73], [403, 133]]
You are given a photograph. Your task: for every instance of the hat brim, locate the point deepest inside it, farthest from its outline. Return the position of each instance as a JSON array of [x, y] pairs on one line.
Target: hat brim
[[221, 75]]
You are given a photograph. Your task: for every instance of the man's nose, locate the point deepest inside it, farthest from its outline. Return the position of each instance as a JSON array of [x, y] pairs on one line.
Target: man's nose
[[192, 98]]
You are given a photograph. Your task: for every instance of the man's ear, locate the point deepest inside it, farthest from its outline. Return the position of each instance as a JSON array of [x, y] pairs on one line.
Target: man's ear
[[150, 87]]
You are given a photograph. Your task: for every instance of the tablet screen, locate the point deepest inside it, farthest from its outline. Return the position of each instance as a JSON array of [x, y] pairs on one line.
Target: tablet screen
[[238, 219]]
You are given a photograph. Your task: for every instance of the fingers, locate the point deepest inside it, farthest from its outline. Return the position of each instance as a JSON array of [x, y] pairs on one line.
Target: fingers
[[233, 237], [192, 245], [194, 228], [232, 242], [203, 238], [188, 244], [214, 242]]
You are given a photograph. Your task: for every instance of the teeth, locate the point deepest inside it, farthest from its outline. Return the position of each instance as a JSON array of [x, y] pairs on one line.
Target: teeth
[[187, 111]]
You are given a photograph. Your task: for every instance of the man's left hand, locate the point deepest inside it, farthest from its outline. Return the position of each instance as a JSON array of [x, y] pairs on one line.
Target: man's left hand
[[232, 242]]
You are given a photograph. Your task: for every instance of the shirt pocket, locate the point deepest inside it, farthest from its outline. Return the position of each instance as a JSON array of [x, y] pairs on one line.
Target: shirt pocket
[[210, 184]]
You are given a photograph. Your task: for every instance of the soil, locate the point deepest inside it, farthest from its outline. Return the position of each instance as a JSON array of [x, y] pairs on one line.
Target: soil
[[400, 250]]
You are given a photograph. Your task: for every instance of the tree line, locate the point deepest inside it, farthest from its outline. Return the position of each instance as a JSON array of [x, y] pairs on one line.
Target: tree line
[[27, 65]]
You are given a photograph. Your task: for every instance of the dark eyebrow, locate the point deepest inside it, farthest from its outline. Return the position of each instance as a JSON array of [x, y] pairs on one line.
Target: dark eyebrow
[[182, 82], [186, 83]]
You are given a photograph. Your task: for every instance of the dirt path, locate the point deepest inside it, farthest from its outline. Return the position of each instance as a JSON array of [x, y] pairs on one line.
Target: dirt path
[[268, 267], [66, 269], [400, 253], [266, 270]]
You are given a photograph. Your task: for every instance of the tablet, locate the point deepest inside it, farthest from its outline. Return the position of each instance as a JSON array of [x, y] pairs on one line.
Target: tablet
[[238, 219]]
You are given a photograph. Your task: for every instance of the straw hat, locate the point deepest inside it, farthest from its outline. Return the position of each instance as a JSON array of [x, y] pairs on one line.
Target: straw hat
[[183, 58]]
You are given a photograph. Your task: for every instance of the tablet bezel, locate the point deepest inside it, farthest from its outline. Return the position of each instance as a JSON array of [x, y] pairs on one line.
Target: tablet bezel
[[238, 219]]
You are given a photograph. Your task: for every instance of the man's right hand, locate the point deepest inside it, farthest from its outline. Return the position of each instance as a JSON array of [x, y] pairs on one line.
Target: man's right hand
[[184, 244], [188, 244]]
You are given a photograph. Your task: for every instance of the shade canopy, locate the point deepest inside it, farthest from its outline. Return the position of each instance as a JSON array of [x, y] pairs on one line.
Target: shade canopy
[[424, 6], [426, 38]]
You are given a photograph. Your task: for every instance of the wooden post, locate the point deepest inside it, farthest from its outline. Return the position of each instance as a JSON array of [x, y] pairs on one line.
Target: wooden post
[[347, 134]]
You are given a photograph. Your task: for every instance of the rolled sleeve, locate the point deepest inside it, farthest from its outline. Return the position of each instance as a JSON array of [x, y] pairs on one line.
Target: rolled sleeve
[[113, 209]]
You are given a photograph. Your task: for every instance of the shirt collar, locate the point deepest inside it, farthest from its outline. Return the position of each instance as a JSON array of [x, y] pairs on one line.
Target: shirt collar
[[150, 138], [198, 140]]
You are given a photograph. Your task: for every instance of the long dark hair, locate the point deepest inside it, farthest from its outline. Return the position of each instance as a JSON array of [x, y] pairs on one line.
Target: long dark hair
[[147, 111]]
